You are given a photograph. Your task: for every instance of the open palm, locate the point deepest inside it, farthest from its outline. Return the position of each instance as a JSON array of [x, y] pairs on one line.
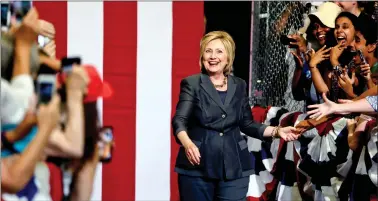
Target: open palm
[[321, 110]]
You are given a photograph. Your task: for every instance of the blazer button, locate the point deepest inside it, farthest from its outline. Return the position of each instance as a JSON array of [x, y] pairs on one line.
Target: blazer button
[[221, 134], [223, 116]]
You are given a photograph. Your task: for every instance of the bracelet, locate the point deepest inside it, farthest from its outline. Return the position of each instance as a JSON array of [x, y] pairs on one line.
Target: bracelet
[[311, 67], [272, 134], [275, 132]]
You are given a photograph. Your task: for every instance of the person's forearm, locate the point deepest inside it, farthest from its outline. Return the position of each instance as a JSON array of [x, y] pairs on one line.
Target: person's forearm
[[83, 186], [296, 79], [54, 64], [269, 131], [357, 106], [21, 59], [317, 79], [184, 138], [371, 92], [74, 131], [19, 132], [23, 168], [370, 84]]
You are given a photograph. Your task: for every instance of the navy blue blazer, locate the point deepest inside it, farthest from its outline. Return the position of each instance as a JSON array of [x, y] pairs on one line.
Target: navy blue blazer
[[215, 127]]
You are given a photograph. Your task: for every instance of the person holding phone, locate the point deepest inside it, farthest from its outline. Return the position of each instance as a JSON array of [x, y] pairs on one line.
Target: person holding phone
[[366, 43], [327, 80], [46, 38], [81, 144], [213, 108], [319, 32], [69, 142], [17, 86], [25, 163], [106, 144]]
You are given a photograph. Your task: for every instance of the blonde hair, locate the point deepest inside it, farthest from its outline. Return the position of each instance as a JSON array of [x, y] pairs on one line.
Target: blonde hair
[[228, 43]]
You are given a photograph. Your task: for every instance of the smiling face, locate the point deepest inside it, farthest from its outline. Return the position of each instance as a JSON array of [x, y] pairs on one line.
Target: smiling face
[[320, 32], [215, 57], [344, 31], [217, 53]]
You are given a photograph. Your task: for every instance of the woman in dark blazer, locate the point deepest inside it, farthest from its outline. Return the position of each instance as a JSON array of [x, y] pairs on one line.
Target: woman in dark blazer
[[213, 162]]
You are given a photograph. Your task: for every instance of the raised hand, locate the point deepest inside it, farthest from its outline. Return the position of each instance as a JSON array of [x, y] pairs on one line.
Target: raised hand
[[299, 41], [48, 115], [335, 53], [46, 29], [50, 49], [78, 79], [27, 31], [321, 110], [346, 83], [318, 56], [365, 71]]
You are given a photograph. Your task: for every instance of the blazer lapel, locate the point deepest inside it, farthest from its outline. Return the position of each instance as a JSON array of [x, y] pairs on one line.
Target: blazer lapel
[[207, 85], [231, 88]]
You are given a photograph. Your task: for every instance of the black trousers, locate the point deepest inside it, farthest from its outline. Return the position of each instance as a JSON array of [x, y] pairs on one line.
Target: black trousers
[[205, 189]]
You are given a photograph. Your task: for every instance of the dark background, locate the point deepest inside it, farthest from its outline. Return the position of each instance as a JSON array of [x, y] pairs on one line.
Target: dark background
[[234, 18]]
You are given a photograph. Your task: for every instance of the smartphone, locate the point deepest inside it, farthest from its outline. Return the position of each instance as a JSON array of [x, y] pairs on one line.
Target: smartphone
[[286, 40], [106, 144], [19, 9], [362, 57], [45, 87], [5, 15], [68, 62], [43, 40]]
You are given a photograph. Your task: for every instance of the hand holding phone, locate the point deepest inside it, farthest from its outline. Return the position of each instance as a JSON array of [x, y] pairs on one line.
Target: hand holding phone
[[285, 40], [46, 84], [106, 144], [43, 40], [68, 62], [362, 57], [19, 9]]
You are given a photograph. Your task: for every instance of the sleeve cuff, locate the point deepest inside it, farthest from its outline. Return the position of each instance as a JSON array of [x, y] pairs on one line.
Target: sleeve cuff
[[373, 101], [261, 130], [179, 130]]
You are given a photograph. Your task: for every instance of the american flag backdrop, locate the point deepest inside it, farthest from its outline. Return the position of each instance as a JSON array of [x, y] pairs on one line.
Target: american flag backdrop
[[143, 49]]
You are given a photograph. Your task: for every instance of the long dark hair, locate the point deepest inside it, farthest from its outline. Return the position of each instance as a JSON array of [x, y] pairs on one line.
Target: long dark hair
[[91, 129], [350, 16]]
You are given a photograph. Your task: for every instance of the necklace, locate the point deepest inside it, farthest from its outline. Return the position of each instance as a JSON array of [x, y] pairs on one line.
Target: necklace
[[221, 85]]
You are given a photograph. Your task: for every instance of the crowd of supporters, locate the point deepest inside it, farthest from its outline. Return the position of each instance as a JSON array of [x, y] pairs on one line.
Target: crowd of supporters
[[52, 137], [336, 75]]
